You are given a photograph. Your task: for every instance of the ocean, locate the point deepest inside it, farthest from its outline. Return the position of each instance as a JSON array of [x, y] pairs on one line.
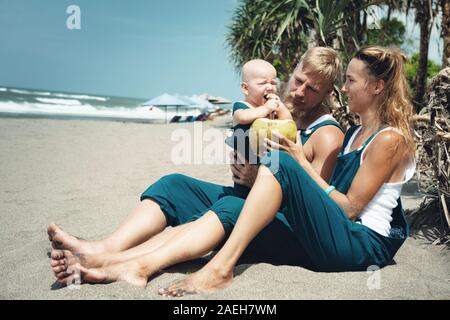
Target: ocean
[[19, 102]]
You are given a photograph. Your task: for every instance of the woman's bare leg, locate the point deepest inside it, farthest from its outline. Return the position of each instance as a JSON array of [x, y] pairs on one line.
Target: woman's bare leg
[[146, 221], [193, 241], [218, 273]]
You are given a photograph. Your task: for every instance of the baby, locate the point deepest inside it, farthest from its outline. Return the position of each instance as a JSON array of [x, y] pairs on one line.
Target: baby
[[259, 86]]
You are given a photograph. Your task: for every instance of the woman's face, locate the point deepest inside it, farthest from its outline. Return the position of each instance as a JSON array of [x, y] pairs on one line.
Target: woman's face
[[358, 87]]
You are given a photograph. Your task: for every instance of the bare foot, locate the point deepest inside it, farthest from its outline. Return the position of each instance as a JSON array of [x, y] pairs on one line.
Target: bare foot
[[66, 258], [63, 240], [68, 269], [206, 280]]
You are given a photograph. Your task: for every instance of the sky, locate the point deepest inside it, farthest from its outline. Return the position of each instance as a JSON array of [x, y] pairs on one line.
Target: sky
[[137, 48]]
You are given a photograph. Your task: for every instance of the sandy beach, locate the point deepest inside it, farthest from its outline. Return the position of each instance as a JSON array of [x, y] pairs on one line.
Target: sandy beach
[[87, 176]]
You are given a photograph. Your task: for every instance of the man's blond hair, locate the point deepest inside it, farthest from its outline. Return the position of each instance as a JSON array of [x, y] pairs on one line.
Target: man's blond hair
[[321, 61], [317, 61]]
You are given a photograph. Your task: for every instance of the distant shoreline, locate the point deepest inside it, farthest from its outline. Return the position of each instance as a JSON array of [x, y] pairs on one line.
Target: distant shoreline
[[75, 117]]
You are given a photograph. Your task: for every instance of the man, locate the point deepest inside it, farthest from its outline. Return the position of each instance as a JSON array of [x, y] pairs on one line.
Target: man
[[310, 85], [191, 205]]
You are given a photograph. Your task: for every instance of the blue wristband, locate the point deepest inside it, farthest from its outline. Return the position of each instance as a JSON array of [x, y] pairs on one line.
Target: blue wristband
[[329, 189]]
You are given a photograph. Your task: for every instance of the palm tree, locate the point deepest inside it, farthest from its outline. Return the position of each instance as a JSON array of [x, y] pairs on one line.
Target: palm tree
[[280, 31], [425, 14], [445, 29], [275, 31]]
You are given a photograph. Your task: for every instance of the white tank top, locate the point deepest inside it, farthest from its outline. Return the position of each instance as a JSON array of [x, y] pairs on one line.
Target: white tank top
[[377, 215]]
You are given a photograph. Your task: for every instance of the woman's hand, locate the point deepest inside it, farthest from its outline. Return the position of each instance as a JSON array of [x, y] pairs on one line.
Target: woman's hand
[[295, 149]]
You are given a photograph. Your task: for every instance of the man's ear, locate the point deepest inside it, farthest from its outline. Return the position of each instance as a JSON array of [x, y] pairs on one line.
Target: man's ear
[[244, 88], [330, 90]]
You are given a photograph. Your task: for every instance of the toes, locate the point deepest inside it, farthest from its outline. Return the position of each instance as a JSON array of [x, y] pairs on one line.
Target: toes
[[58, 269], [179, 292], [74, 270], [178, 289], [168, 291], [62, 274], [74, 279], [162, 291], [52, 229], [59, 262], [57, 254], [165, 292]]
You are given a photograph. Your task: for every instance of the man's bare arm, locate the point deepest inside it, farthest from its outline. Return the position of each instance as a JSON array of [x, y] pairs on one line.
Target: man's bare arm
[[326, 143]]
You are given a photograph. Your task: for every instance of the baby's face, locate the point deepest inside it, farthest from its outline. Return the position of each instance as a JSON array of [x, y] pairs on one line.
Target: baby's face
[[258, 83]]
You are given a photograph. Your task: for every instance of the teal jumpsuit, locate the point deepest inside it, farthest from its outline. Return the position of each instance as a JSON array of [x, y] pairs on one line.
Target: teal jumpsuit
[[310, 229], [240, 142], [183, 199], [331, 240]]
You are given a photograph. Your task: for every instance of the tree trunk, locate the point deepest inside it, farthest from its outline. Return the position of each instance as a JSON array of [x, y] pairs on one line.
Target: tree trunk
[[445, 27], [423, 18], [364, 27], [349, 44]]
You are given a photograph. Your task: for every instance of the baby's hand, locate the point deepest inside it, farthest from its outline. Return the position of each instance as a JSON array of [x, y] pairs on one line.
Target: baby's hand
[[282, 106], [273, 96], [283, 112], [271, 105]]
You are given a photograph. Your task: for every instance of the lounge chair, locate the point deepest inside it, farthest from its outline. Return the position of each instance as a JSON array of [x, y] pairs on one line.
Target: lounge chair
[[175, 119], [201, 117]]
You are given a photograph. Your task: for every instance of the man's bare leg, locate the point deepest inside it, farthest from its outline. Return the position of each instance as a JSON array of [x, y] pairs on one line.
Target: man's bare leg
[[146, 221], [194, 241], [66, 257], [218, 273]]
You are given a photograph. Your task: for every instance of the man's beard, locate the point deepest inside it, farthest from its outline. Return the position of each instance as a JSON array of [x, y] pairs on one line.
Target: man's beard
[[293, 104], [297, 107]]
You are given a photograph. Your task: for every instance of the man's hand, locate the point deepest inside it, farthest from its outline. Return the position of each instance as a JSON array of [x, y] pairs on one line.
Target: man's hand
[[244, 173]]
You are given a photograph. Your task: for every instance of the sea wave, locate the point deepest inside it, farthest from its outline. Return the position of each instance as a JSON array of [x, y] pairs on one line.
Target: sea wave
[[81, 97], [88, 111], [66, 102], [57, 95], [20, 91]]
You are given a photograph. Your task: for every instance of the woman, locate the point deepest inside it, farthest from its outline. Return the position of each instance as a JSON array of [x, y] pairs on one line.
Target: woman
[[354, 221], [350, 224]]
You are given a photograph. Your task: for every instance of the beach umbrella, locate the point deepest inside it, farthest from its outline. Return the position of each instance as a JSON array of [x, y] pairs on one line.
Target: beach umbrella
[[199, 102], [166, 100], [218, 100], [202, 101]]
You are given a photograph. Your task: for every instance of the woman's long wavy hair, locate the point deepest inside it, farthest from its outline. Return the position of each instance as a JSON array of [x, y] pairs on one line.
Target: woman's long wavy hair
[[395, 109]]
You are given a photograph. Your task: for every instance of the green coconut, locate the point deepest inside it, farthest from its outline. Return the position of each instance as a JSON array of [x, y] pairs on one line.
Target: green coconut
[[263, 128]]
